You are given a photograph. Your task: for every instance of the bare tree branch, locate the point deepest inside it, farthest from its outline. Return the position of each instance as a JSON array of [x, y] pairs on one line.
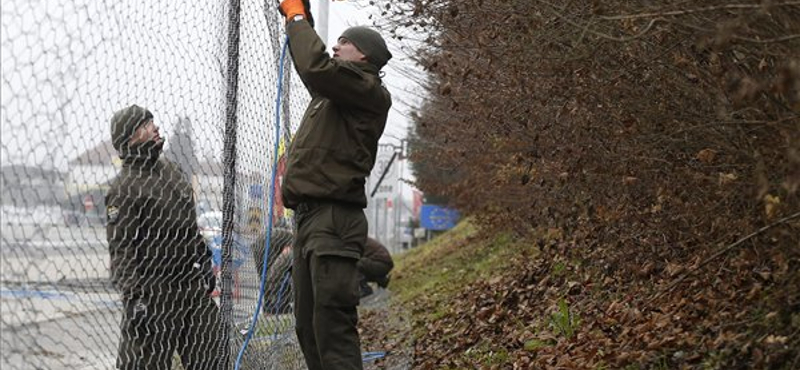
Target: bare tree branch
[[698, 10]]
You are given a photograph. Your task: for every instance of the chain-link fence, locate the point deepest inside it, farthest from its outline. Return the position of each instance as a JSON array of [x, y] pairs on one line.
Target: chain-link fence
[[209, 73]]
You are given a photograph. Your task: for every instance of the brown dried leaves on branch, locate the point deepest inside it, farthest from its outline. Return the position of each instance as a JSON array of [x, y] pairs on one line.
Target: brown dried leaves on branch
[[650, 135]]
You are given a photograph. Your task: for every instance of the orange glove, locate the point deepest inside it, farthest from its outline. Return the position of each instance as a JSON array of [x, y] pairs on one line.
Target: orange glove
[[291, 8]]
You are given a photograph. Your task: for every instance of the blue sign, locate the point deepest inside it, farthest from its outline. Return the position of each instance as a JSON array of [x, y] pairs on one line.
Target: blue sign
[[433, 217], [256, 191]]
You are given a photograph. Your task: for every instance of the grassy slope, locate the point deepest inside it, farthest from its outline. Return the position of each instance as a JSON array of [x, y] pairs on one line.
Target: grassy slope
[[428, 282], [478, 303], [427, 277]]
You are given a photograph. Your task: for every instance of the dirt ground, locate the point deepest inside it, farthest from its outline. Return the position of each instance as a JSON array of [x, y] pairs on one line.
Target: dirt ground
[[385, 330]]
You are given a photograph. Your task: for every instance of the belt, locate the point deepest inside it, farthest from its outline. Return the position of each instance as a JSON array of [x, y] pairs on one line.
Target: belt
[[304, 209], [307, 206]]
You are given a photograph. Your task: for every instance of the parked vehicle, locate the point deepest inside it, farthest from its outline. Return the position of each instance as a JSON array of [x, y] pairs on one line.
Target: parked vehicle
[[210, 224]]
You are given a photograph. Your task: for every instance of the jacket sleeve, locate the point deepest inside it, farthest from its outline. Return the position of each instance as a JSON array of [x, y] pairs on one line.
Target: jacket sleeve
[[203, 258], [376, 262], [335, 80], [373, 269], [204, 255], [124, 234]]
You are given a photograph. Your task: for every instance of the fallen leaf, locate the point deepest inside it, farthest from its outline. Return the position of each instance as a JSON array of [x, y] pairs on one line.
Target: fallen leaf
[[775, 339], [706, 155], [727, 178]]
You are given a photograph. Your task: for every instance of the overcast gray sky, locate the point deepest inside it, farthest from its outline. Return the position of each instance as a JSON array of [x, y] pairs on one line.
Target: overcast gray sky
[[67, 65]]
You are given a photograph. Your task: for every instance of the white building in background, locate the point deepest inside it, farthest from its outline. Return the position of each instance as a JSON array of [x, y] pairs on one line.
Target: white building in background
[[92, 170], [26, 186], [388, 210], [90, 174], [208, 184]]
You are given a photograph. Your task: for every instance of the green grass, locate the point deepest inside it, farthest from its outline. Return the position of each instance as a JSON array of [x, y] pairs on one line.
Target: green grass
[[429, 268], [427, 278], [446, 264], [559, 268], [534, 345], [274, 324], [563, 321], [486, 355]]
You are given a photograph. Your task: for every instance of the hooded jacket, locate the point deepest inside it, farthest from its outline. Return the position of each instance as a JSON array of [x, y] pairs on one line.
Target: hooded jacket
[[376, 262], [334, 149]]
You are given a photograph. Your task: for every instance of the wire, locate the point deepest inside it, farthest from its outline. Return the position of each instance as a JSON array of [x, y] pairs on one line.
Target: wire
[[267, 240]]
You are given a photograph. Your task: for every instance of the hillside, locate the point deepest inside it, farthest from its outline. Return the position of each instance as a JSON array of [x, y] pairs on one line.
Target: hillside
[[468, 301]]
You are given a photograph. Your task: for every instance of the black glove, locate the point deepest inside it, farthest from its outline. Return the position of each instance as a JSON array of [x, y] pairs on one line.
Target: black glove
[[205, 271], [210, 281], [383, 282], [364, 288]]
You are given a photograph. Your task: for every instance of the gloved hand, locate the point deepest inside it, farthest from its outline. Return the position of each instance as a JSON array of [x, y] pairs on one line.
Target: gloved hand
[[210, 281], [383, 282], [290, 8], [364, 288]]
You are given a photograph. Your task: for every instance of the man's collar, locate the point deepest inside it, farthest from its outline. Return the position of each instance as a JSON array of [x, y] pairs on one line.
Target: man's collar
[[143, 154], [364, 66]]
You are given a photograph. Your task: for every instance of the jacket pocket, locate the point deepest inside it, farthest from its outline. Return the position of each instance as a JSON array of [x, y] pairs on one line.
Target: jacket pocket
[[350, 225]]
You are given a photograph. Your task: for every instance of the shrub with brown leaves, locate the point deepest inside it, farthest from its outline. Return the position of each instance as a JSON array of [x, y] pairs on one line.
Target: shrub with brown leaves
[[658, 134]]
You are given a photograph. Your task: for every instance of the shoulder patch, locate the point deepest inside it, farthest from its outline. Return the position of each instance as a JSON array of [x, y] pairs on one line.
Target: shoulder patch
[[112, 212]]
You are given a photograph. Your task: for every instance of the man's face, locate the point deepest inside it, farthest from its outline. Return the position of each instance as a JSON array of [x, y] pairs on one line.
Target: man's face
[[146, 132], [346, 50]]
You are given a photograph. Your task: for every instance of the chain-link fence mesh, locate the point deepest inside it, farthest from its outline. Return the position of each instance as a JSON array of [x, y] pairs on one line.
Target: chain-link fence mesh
[[208, 71]]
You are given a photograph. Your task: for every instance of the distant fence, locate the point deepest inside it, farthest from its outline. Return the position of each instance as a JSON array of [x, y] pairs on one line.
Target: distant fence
[[209, 73]]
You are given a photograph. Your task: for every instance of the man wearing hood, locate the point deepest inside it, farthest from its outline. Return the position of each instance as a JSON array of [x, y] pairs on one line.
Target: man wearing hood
[[328, 162], [159, 261], [374, 265]]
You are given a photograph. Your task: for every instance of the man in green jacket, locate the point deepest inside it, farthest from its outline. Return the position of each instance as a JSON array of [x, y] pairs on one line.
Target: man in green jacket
[[159, 261], [332, 154]]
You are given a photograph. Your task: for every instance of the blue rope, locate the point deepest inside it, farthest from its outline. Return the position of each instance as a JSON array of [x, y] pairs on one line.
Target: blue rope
[[366, 356], [372, 356], [270, 207]]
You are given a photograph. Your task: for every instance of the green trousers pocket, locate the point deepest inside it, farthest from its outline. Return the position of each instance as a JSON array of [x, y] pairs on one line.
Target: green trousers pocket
[[335, 280]]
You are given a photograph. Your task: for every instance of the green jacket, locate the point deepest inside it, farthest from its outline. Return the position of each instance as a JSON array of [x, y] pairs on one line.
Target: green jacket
[[334, 149], [278, 261], [376, 262], [152, 232]]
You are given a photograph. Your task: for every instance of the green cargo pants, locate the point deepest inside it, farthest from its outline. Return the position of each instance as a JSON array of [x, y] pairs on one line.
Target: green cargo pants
[[329, 241], [163, 321]]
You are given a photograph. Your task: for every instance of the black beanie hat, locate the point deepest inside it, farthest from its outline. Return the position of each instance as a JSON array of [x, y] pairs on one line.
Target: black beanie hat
[[369, 42], [125, 122]]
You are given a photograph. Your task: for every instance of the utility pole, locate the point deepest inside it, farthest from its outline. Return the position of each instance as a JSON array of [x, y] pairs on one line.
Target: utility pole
[[399, 203], [229, 185], [321, 20]]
